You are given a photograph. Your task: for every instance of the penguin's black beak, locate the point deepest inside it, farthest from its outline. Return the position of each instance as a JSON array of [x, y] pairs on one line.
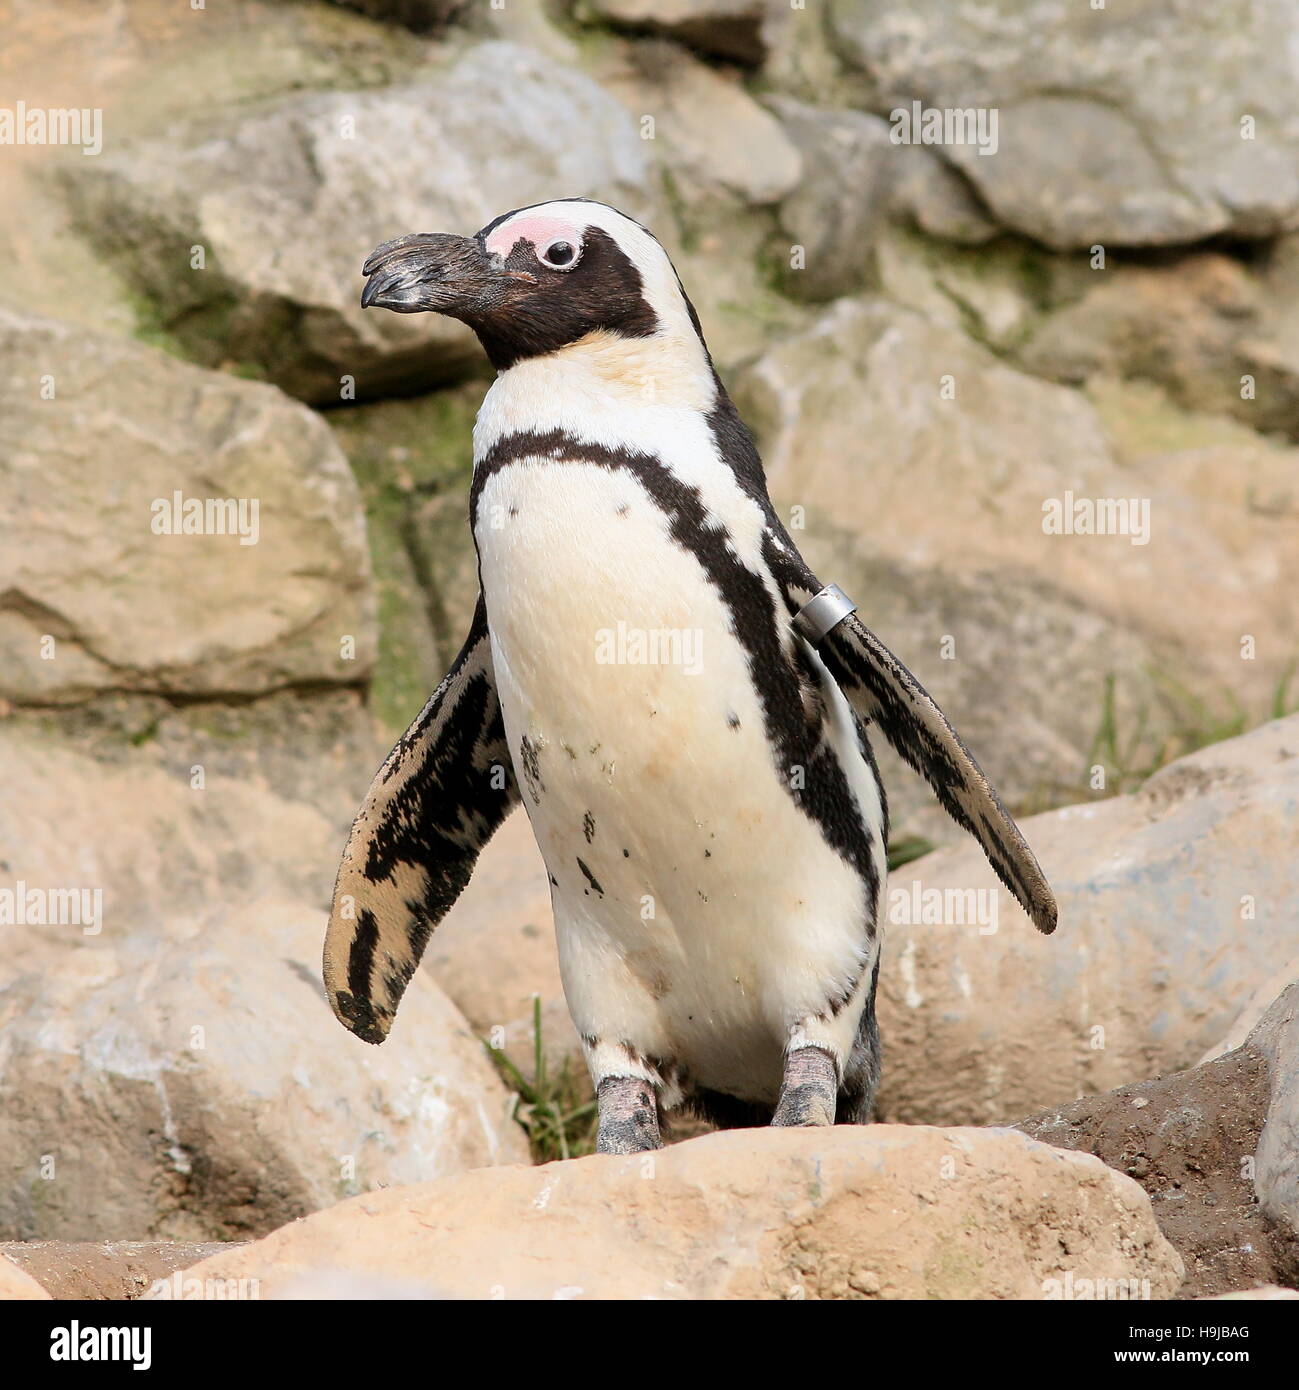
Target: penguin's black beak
[[433, 272]]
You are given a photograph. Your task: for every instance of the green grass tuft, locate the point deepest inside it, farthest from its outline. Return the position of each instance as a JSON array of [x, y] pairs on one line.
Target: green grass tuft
[[555, 1110]]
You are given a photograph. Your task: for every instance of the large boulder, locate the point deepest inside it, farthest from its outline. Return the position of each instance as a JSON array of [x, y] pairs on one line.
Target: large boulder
[[171, 1067], [167, 529], [286, 200], [1121, 125], [842, 1213], [1176, 903]]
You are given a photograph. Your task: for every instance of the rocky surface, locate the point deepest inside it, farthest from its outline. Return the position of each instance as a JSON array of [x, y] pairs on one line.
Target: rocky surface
[[845, 1213], [931, 349], [171, 1067], [495, 952], [1116, 125], [287, 202], [1214, 1147], [1176, 904], [110, 1269], [963, 456], [1218, 335], [138, 477]]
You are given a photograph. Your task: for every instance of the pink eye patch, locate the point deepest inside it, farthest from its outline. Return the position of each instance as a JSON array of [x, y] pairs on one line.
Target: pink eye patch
[[538, 230]]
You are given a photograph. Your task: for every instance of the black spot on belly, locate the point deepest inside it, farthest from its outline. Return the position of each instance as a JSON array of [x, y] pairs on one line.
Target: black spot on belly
[[530, 763], [626, 854], [708, 854], [733, 719], [590, 878], [588, 827]]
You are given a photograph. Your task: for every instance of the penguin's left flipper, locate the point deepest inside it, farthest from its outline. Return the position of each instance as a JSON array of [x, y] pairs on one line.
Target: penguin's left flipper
[[882, 690], [433, 805]]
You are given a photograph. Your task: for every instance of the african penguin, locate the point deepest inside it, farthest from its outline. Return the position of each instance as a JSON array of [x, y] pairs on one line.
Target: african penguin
[[677, 701]]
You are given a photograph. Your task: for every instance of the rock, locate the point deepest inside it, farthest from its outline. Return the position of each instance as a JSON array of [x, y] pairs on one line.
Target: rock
[[714, 140], [287, 200], [1276, 1177], [17, 1286], [116, 1269], [146, 68], [1175, 904], [1214, 1147], [1217, 336], [853, 177], [883, 1212], [729, 29], [1122, 126], [174, 1070], [989, 292], [953, 491], [833, 213], [1186, 1139], [104, 434]]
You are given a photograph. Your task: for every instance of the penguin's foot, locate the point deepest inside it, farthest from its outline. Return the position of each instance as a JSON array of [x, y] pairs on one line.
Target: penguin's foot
[[629, 1121], [809, 1089]]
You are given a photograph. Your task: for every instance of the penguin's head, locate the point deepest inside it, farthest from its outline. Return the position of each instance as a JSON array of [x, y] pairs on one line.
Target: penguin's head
[[537, 280]]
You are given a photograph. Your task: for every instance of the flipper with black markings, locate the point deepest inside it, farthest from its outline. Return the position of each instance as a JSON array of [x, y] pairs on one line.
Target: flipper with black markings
[[884, 693], [433, 805]]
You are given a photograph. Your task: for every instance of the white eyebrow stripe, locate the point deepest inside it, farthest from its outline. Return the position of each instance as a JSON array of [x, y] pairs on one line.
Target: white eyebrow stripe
[[537, 230]]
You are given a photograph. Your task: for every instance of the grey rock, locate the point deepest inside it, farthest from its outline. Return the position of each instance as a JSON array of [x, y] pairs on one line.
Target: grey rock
[[1120, 126]]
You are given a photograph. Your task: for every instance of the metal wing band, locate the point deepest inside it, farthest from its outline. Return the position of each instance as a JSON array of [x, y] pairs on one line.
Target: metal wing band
[[822, 613]]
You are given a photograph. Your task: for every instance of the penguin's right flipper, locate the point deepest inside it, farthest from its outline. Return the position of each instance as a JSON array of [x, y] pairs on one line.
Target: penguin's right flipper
[[882, 690], [433, 805]]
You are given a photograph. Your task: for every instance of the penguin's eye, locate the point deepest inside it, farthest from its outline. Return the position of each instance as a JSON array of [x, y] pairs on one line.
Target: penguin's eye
[[559, 254]]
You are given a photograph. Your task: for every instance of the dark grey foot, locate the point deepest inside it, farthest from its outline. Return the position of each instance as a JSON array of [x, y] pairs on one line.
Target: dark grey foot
[[629, 1120], [809, 1089]]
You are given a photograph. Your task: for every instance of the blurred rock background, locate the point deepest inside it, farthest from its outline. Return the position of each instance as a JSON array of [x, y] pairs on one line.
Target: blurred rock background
[[931, 343]]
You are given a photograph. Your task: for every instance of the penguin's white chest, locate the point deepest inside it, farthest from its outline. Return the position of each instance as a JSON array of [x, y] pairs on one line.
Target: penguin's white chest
[[700, 913]]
